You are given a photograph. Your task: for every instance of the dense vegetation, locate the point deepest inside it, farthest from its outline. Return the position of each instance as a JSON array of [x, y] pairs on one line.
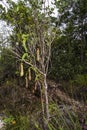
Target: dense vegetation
[[41, 47]]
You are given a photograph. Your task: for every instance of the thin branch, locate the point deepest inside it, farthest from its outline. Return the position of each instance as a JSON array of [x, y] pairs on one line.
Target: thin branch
[[49, 54], [47, 64], [28, 63]]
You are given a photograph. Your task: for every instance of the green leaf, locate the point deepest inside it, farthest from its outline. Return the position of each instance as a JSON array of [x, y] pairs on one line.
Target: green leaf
[[17, 8], [24, 45], [24, 56], [24, 37]]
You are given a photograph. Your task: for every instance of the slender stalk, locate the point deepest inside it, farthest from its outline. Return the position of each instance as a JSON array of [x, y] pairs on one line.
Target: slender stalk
[[46, 98]]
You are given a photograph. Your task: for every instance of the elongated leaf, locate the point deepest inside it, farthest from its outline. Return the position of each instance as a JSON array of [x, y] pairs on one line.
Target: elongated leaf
[[24, 56]]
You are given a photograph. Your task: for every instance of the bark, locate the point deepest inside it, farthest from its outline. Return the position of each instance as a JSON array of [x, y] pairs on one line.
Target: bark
[[46, 98]]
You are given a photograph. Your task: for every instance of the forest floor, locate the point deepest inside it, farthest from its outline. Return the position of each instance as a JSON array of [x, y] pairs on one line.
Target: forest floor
[[20, 99]]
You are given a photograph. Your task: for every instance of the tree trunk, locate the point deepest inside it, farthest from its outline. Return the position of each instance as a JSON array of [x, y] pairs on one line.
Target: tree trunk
[[46, 98]]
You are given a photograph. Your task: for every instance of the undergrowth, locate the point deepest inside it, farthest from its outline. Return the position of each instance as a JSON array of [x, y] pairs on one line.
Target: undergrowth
[[62, 117]]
